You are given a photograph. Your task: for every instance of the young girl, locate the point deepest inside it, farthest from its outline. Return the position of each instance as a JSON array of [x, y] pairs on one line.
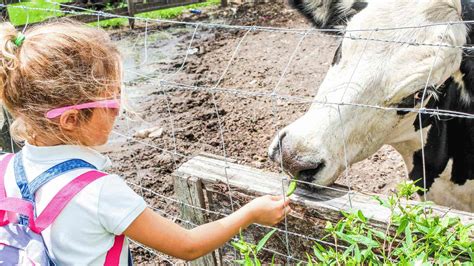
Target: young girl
[[61, 82]]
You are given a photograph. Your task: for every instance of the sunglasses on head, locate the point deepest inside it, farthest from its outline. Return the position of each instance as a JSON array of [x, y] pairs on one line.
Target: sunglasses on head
[[111, 104]]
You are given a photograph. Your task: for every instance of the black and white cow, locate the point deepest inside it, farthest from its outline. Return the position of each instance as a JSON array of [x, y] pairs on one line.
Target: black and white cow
[[391, 73]]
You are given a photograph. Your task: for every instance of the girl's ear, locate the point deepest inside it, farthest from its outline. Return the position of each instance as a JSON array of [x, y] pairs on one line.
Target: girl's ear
[[69, 120]]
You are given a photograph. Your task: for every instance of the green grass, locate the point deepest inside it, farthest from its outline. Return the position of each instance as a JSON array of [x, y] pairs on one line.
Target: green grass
[[20, 16], [168, 13]]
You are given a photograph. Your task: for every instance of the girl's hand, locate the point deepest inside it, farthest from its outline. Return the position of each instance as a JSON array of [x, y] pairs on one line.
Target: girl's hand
[[268, 210]]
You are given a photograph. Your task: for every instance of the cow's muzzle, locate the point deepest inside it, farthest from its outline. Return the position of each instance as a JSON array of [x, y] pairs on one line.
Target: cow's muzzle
[[297, 163]]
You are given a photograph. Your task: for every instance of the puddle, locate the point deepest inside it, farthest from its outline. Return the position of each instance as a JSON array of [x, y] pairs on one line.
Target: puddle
[[149, 55]]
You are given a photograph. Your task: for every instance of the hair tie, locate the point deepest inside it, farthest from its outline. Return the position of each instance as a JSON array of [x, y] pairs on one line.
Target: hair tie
[[20, 38]]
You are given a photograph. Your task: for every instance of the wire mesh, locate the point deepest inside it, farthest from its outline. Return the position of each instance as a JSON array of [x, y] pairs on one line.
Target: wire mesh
[[168, 83]]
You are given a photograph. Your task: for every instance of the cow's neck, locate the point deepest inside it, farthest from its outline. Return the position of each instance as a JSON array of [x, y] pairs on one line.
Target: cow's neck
[[449, 141]]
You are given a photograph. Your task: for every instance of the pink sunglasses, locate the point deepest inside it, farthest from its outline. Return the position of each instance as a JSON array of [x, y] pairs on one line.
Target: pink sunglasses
[[112, 104]]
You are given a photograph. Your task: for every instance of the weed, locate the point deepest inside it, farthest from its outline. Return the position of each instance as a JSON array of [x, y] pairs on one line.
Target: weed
[[414, 235]]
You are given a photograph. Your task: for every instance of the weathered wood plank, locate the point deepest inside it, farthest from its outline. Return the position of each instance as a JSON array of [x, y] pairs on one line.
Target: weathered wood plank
[[329, 202], [189, 191]]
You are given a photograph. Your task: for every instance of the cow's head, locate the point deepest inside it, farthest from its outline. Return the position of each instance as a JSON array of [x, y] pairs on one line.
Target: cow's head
[[390, 72]]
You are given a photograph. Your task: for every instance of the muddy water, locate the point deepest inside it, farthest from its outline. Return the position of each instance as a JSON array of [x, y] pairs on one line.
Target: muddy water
[[144, 53]]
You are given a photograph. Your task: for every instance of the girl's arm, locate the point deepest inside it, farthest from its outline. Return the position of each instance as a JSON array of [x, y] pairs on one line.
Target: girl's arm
[[165, 236]]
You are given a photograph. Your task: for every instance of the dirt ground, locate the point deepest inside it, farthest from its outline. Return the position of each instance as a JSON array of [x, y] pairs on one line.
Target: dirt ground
[[167, 124]]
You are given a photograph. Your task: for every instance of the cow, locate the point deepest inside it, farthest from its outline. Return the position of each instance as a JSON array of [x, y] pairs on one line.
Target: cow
[[412, 55]]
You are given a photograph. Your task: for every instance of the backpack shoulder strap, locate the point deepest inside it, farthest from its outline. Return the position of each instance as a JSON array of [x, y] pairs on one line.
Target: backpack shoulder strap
[[113, 255], [3, 168], [56, 171], [28, 190], [62, 198]]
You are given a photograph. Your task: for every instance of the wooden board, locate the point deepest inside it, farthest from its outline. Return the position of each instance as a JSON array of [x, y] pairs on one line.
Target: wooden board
[[327, 202], [189, 191]]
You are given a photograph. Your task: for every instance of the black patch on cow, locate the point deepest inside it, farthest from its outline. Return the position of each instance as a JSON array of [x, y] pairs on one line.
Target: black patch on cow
[[336, 16], [300, 6], [359, 6], [467, 7], [337, 55], [449, 137], [412, 100]]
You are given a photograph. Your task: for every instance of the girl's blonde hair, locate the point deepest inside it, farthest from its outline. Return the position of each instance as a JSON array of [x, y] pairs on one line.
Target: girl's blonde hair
[[58, 64]]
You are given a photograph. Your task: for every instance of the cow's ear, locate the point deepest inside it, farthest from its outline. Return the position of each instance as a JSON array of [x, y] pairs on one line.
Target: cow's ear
[[328, 13]]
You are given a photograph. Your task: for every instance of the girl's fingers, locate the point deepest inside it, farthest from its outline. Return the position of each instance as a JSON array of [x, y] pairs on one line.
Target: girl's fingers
[[283, 203], [284, 213], [277, 198], [280, 198]]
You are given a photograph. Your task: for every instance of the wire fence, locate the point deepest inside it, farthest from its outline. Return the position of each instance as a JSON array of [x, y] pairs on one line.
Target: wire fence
[[169, 82]]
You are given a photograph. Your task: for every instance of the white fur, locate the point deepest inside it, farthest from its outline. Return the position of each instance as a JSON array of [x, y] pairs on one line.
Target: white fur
[[452, 195], [383, 73], [465, 97]]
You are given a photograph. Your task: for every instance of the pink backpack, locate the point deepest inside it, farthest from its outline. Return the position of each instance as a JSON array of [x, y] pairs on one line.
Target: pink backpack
[[23, 244]]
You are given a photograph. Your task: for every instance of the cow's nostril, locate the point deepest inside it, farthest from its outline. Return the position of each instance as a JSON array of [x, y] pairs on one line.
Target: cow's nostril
[[276, 147], [308, 175]]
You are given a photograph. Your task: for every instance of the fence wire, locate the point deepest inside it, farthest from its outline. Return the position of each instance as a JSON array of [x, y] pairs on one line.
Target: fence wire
[[167, 85]]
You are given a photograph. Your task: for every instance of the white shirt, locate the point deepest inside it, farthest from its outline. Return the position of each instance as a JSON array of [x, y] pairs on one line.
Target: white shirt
[[85, 230]]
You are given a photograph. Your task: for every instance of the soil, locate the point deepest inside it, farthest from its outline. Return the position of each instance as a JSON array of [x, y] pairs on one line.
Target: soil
[[165, 124]]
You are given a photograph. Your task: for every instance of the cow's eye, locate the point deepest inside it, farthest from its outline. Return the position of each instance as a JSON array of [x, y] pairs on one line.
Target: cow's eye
[[418, 96]]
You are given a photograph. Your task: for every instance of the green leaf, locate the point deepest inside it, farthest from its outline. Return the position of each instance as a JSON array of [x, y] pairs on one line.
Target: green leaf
[[345, 214], [365, 253], [421, 258], [379, 233], [291, 188], [310, 260], [361, 216], [264, 240], [317, 252], [317, 245], [408, 236], [403, 225], [241, 262], [248, 261], [382, 202], [240, 247], [348, 251], [357, 255], [329, 227], [359, 239], [256, 261]]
